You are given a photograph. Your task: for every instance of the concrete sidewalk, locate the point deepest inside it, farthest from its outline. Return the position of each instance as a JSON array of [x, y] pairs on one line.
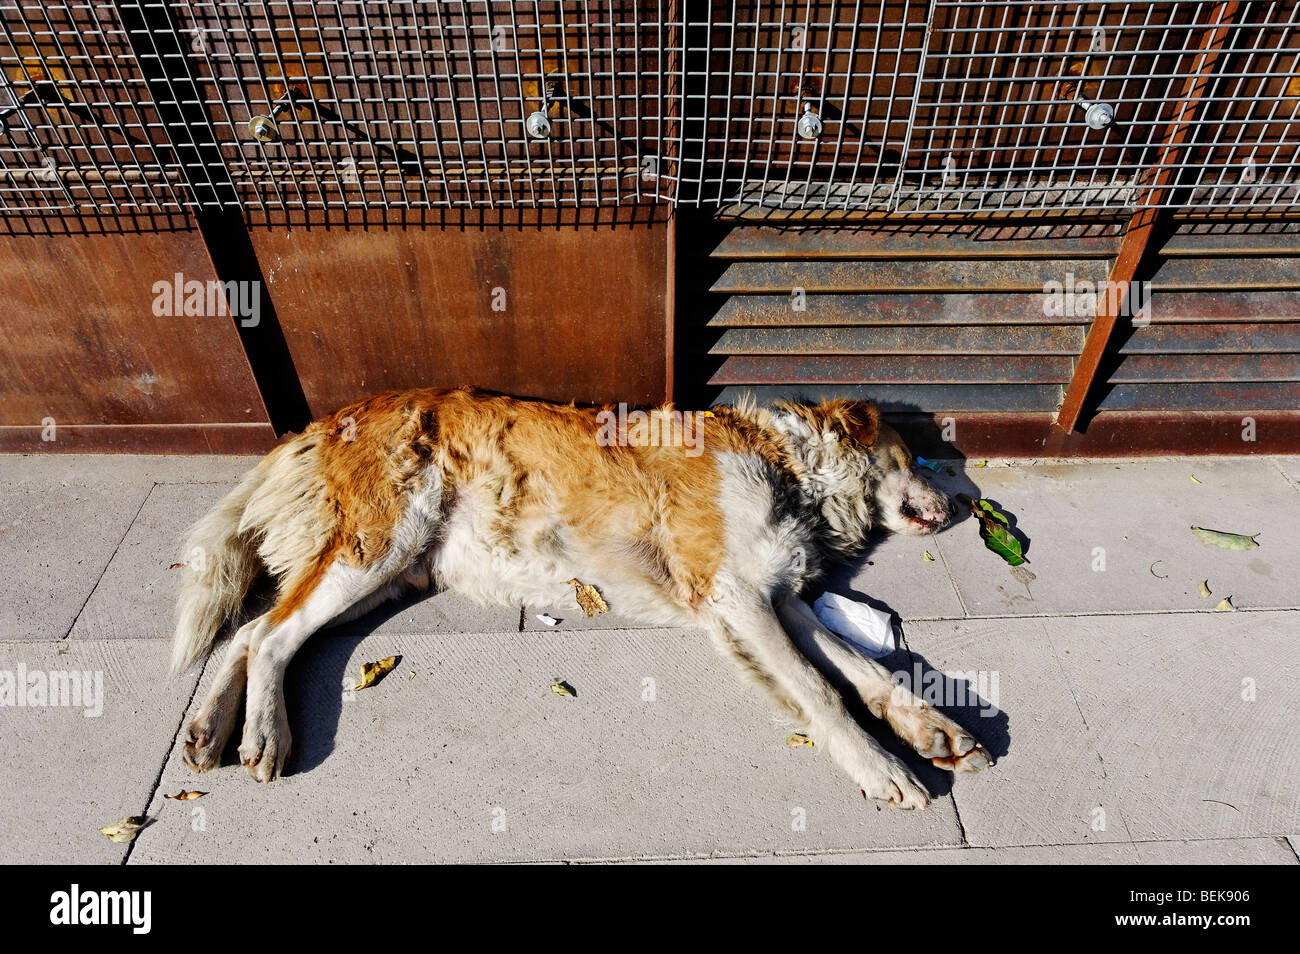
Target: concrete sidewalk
[[1131, 722]]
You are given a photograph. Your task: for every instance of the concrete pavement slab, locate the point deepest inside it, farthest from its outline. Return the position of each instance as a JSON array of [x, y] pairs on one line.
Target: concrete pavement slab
[[1111, 536], [572, 617], [1290, 466], [54, 468], [136, 596], [893, 575], [1118, 853], [1228, 851], [59, 526], [1049, 786], [1217, 851], [1194, 718], [662, 753], [64, 775]]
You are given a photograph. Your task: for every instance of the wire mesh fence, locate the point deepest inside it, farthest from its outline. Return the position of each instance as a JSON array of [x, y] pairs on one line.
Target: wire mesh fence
[[846, 106]]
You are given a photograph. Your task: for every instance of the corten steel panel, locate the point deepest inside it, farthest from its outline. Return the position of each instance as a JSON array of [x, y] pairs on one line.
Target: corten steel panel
[[368, 310], [82, 343], [422, 105]]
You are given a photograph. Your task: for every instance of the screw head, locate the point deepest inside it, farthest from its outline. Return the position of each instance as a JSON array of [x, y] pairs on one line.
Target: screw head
[[263, 129], [809, 125], [1099, 116], [538, 125]]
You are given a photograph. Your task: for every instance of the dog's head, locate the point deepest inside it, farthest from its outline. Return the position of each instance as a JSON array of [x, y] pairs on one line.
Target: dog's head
[[906, 501], [902, 500]]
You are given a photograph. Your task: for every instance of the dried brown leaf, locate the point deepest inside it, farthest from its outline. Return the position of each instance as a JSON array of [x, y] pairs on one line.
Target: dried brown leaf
[[372, 672], [589, 598]]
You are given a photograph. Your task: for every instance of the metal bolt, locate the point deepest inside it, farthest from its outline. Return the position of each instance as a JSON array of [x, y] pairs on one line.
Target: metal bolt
[[809, 125], [538, 125], [263, 129], [1098, 115]]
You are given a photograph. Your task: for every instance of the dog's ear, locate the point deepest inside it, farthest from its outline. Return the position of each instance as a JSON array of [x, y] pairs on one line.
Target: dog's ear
[[857, 420]]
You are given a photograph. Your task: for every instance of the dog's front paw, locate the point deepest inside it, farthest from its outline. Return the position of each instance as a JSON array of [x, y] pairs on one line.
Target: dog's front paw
[[937, 737], [264, 748], [883, 777]]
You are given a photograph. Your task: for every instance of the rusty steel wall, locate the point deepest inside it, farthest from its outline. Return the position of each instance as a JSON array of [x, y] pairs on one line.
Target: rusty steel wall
[[918, 172]]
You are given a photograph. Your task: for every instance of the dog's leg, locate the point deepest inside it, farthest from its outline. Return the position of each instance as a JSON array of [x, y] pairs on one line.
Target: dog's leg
[[208, 732], [750, 630], [313, 603], [927, 730]]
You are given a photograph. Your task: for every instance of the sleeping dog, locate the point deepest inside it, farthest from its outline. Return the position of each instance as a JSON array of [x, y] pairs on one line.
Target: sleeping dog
[[508, 500]]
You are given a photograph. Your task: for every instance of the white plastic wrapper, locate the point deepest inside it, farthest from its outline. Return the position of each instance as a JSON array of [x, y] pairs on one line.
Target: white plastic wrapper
[[863, 627]]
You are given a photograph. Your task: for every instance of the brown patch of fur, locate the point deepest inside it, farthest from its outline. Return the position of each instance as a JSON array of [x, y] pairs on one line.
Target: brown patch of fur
[[370, 454], [535, 460], [857, 420]]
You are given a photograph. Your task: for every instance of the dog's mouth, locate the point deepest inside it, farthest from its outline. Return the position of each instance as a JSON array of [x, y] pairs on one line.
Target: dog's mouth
[[925, 520]]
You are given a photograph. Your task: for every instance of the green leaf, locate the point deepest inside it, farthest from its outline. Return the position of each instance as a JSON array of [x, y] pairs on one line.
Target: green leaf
[[995, 530], [1229, 541]]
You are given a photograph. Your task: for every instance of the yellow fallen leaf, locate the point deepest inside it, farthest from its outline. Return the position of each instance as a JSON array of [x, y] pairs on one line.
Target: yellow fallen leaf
[[1225, 606], [371, 673], [562, 688], [589, 598], [1194, 480], [926, 557], [185, 796], [982, 463], [1205, 588], [796, 739], [125, 829]]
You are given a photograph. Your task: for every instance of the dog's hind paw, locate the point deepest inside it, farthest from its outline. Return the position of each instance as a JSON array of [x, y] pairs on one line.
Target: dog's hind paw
[[265, 746], [205, 738]]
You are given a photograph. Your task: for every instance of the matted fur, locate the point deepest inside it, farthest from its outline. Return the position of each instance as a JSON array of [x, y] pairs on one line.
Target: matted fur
[[506, 500]]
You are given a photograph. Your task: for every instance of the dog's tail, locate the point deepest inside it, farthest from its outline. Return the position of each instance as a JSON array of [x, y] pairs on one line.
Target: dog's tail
[[221, 563]]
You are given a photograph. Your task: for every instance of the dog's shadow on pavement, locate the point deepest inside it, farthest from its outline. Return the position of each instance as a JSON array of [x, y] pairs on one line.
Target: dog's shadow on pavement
[[319, 683], [959, 695]]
